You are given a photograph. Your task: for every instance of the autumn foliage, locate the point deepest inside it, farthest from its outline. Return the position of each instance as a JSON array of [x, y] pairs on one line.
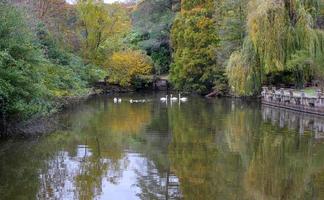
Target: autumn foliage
[[194, 40], [125, 65]]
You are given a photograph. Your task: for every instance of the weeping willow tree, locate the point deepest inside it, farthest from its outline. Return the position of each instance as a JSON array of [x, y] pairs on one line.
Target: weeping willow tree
[[284, 39], [243, 71]]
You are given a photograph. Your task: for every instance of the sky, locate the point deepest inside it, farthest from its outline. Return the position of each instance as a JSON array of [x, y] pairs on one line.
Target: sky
[[106, 1]]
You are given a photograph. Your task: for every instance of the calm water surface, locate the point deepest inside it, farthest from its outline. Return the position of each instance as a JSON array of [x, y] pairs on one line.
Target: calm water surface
[[202, 149]]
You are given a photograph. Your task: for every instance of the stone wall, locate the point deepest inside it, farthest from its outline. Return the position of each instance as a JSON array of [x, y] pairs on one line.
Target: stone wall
[[294, 100]]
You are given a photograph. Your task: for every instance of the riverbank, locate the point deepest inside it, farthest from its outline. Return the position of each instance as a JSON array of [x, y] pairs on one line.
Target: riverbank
[[153, 83], [43, 124]]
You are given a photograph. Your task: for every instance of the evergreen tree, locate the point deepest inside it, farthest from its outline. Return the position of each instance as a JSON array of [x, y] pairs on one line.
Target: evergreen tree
[[194, 40]]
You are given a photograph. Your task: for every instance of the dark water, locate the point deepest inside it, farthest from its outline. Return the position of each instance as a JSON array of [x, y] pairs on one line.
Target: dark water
[[201, 149]]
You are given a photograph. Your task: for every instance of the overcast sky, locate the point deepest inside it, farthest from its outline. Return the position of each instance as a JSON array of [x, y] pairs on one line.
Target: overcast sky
[[106, 1]]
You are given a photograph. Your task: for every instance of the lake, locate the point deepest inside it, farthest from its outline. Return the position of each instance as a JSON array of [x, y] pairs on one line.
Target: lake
[[200, 149]]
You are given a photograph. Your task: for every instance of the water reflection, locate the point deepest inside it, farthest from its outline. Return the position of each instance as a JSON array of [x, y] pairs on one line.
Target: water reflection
[[294, 120], [203, 149]]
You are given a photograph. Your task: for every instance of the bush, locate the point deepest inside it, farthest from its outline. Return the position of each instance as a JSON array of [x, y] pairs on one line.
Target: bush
[[20, 81], [141, 82], [124, 66], [33, 70]]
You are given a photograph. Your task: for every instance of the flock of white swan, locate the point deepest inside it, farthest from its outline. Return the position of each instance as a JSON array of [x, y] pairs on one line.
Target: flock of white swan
[[172, 98], [162, 99]]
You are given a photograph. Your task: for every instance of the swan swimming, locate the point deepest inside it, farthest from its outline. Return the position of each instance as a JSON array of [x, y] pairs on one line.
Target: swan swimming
[[164, 98], [138, 101], [117, 100], [173, 98], [182, 98]]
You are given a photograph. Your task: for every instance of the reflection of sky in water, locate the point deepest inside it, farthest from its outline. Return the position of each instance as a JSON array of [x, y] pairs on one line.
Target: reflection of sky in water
[[203, 149], [127, 183], [65, 165], [126, 187], [83, 151]]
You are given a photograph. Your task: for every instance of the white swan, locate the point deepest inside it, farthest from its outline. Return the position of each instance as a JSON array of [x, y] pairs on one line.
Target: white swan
[[182, 98], [117, 100], [173, 98], [164, 98], [138, 101]]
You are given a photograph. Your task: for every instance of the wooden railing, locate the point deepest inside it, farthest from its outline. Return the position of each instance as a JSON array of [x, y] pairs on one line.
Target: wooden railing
[[298, 101]]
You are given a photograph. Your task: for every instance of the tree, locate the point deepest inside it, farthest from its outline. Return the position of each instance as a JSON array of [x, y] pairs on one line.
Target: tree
[[124, 66], [100, 22], [194, 40], [152, 21], [286, 43], [56, 15], [243, 72], [20, 82], [34, 68], [230, 17]]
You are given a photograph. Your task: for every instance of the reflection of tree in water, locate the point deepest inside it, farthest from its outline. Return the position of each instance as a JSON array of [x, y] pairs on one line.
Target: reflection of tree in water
[[278, 162], [109, 134], [155, 179], [260, 161], [92, 170], [124, 118], [213, 150], [19, 163], [155, 185], [51, 181], [282, 166], [105, 135], [203, 170]]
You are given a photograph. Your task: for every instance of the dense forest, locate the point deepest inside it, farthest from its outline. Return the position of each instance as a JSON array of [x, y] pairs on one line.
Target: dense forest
[[51, 49]]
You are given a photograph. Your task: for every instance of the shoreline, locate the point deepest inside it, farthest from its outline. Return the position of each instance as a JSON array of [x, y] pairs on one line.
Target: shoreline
[[42, 125], [45, 124]]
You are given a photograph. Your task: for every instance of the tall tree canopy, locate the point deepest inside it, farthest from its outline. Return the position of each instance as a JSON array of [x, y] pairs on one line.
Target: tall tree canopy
[[100, 23], [152, 21], [195, 39], [283, 38]]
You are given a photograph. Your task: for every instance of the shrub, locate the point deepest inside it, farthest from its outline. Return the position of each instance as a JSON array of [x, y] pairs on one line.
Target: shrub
[[125, 65]]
